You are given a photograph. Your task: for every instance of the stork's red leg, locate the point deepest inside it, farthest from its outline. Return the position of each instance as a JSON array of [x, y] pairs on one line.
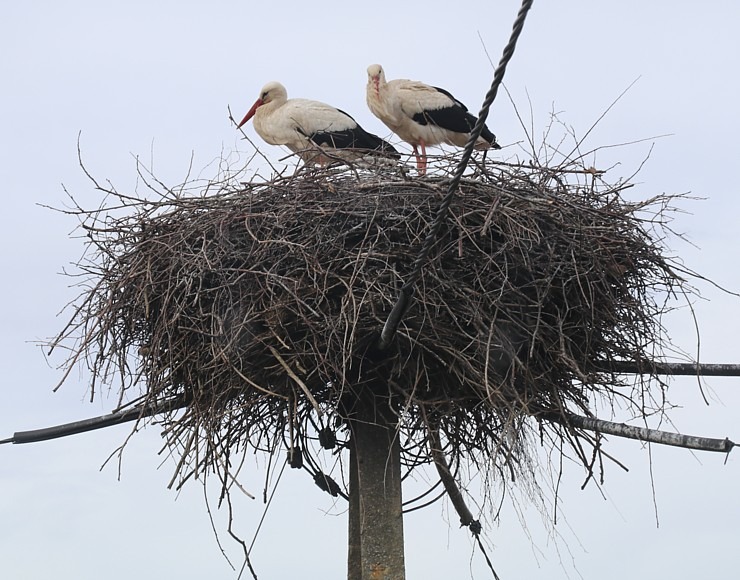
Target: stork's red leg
[[418, 160], [422, 167]]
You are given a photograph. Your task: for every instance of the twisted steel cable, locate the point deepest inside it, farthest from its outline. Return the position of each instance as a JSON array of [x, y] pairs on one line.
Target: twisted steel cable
[[399, 308]]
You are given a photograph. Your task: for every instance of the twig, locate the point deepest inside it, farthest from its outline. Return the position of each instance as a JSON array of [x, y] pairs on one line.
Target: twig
[[298, 381]]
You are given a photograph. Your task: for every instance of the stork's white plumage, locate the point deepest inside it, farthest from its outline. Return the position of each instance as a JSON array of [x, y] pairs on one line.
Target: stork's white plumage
[[317, 132], [422, 115]]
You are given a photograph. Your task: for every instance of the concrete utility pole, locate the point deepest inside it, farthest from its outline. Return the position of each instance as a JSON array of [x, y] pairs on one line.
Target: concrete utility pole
[[375, 546]]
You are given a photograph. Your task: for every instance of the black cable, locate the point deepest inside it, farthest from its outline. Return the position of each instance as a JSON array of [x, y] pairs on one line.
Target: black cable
[[399, 309]]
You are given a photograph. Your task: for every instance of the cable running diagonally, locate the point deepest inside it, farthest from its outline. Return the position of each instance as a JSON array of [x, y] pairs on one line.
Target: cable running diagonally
[[394, 318]]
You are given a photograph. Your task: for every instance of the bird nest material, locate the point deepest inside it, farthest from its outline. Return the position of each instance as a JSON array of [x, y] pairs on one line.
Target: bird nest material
[[260, 306]]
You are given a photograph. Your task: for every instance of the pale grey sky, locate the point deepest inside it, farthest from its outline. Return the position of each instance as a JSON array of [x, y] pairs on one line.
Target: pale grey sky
[[154, 80]]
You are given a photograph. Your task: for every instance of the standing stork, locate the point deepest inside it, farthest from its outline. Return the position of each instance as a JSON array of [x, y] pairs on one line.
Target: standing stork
[[422, 115], [317, 132]]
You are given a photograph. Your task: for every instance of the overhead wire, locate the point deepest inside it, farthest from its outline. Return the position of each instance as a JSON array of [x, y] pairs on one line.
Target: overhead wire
[[403, 301]]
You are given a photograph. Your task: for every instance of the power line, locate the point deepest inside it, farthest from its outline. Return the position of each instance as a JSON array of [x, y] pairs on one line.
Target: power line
[[402, 303]]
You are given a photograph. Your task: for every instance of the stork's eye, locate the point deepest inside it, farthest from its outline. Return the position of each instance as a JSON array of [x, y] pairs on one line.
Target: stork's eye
[[264, 95]]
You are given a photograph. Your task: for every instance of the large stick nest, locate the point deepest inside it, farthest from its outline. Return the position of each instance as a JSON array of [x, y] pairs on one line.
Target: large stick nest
[[261, 305]]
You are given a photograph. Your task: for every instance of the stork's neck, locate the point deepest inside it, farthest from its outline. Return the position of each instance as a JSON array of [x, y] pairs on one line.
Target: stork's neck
[[379, 87], [268, 109], [383, 102], [377, 94], [267, 118]]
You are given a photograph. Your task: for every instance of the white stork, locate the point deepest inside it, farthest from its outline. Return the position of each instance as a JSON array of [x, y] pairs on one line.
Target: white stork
[[317, 132], [422, 115]]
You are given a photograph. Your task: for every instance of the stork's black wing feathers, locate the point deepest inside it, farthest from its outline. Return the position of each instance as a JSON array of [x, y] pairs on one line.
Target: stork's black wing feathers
[[354, 138], [453, 118], [449, 94]]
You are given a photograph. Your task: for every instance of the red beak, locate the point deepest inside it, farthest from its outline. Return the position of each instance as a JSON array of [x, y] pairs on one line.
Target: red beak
[[251, 112]]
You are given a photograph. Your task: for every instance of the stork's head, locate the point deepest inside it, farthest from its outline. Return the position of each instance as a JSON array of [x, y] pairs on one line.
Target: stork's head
[[375, 76], [272, 92]]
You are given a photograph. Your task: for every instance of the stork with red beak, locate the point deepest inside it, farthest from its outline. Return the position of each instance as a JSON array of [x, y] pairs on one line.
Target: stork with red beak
[[422, 115], [317, 132]]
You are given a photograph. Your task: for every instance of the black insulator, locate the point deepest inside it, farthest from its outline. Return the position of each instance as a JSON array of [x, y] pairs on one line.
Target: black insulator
[[295, 457], [327, 484], [327, 438]]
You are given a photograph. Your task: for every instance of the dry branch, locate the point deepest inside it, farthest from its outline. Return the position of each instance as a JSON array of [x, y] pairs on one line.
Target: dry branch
[[673, 368], [646, 434]]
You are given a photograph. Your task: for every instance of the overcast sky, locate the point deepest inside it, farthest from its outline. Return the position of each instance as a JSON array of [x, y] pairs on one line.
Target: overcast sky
[[154, 80]]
